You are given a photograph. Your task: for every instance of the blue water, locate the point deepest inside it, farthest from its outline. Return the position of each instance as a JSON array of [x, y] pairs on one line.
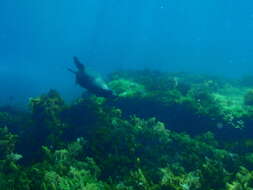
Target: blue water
[[39, 37]]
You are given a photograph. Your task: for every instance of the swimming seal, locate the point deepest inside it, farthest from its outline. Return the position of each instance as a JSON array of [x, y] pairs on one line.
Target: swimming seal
[[91, 83]]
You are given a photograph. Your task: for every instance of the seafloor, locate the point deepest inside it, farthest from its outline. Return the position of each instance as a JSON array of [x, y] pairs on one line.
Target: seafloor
[[164, 131]]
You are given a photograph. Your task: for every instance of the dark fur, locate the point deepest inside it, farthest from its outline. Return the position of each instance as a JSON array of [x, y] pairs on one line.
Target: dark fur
[[88, 82]]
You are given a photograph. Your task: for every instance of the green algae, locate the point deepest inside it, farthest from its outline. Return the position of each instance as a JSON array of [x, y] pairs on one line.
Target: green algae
[[97, 144], [127, 88]]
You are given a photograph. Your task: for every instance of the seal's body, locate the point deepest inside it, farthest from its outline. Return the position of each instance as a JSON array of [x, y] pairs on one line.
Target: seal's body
[[89, 82]]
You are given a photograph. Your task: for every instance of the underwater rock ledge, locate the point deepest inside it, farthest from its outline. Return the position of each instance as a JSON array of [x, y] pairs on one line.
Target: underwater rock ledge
[[160, 133]]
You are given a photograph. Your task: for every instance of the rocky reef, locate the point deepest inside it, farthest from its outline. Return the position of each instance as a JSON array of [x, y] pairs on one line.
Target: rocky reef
[[170, 131]]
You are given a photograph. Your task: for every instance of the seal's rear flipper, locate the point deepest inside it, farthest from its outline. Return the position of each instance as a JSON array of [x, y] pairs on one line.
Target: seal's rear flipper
[[78, 64]]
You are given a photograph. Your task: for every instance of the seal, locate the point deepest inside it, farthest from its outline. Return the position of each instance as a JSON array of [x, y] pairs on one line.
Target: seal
[[91, 83]]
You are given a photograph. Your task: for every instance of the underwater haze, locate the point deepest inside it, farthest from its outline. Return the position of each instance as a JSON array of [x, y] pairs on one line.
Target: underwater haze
[[39, 38], [126, 95]]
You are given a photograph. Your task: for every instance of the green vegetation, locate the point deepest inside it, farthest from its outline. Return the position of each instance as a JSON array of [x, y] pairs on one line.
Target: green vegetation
[[206, 103], [248, 98], [164, 131]]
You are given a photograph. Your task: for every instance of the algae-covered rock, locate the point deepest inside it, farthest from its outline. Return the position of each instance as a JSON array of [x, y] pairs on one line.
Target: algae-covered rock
[[180, 181], [12, 175], [66, 169], [74, 179], [243, 180], [127, 88], [97, 143], [46, 111], [248, 98], [7, 142]]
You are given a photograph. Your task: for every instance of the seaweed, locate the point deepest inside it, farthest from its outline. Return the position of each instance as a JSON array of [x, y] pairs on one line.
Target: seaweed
[[163, 131]]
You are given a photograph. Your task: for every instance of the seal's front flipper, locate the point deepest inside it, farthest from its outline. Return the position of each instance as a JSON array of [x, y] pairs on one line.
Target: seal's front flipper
[[71, 70], [78, 64]]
